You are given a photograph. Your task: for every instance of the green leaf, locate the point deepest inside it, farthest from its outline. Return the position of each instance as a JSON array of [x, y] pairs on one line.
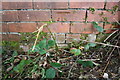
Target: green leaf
[[92, 44], [43, 73], [55, 64], [19, 68], [51, 43], [41, 51], [42, 44], [78, 52], [14, 54], [99, 28], [75, 51], [86, 63], [50, 73], [94, 23], [86, 47]]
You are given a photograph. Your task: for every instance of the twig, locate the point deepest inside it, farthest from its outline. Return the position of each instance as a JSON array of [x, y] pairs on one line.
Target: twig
[[100, 43], [72, 67], [109, 58], [110, 35], [39, 30], [116, 21], [111, 53], [106, 66]]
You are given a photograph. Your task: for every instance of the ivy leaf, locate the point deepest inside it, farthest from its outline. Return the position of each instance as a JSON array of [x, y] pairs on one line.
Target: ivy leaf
[[86, 63], [50, 73], [99, 28], [55, 64], [92, 44]]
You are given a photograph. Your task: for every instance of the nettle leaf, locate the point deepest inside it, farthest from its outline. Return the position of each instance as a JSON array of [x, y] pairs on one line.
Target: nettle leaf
[[50, 73], [51, 43], [86, 63], [99, 28], [92, 44], [55, 64]]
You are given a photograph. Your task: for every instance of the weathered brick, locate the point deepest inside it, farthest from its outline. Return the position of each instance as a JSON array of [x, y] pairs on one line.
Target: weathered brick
[[10, 37], [16, 5], [10, 16], [50, 5], [36, 15], [98, 17], [68, 15], [57, 27], [62, 45], [83, 28], [60, 38], [18, 27], [109, 28], [110, 5], [87, 4], [72, 37]]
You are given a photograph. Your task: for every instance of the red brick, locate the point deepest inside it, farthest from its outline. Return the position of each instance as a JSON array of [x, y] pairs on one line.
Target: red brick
[[72, 37], [19, 27], [50, 5], [16, 5], [96, 16], [109, 28], [83, 28], [4, 27], [86, 4], [36, 15], [10, 16], [57, 28], [10, 37], [68, 15], [110, 5]]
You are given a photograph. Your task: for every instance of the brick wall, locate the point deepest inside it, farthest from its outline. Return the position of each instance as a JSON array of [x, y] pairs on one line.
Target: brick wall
[[69, 18]]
